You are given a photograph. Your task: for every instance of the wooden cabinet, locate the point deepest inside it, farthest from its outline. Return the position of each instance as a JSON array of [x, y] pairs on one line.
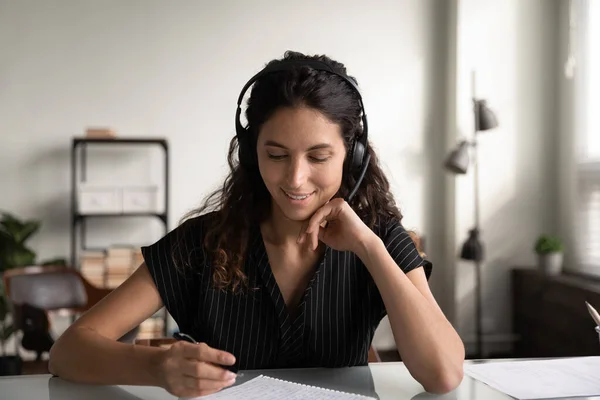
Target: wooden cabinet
[[550, 318]]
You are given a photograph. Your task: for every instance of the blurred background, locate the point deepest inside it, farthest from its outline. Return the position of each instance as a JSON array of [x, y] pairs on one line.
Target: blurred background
[[115, 120]]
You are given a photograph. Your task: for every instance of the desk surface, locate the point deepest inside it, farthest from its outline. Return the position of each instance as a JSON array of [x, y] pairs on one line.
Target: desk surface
[[379, 380]]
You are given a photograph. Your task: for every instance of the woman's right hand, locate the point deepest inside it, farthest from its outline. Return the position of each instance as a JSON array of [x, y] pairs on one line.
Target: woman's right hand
[[192, 370]]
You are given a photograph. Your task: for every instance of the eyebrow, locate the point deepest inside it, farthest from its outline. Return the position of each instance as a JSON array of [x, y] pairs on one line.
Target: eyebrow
[[315, 147]]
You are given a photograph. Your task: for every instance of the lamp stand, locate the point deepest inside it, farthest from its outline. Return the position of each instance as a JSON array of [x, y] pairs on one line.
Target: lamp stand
[[478, 314], [476, 231], [458, 162]]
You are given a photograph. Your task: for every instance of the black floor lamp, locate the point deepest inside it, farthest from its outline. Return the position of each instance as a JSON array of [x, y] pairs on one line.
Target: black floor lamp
[[458, 163]]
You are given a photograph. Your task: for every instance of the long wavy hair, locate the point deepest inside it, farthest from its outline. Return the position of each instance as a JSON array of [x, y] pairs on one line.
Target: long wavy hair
[[243, 201]]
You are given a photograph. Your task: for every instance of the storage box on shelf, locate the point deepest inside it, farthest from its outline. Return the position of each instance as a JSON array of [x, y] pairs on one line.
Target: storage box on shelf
[[102, 199], [140, 199]]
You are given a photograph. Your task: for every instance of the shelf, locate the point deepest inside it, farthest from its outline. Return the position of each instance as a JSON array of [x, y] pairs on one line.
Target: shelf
[[162, 216], [84, 140], [79, 168]]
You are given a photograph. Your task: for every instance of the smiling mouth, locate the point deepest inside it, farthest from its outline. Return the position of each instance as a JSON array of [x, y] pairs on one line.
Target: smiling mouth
[[297, 196]]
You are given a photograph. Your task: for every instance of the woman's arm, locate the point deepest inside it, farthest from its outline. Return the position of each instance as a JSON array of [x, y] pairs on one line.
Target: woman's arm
[[88, 350], [428, 344]]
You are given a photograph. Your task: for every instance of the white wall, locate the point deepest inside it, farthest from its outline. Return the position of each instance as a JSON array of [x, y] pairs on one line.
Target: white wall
[[155, 68], [513, 47], [158, 68]]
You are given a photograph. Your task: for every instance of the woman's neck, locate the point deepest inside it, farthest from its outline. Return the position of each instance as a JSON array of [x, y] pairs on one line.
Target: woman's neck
[[280, 230]]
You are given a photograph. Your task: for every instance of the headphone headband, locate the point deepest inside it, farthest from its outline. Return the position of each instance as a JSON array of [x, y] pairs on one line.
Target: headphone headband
[[287, 65], [359, 157]]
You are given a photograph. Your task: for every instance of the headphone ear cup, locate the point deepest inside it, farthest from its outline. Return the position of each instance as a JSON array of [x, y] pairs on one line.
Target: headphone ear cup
[[245, 151], [241, 151], [358, 155], [244, 155]]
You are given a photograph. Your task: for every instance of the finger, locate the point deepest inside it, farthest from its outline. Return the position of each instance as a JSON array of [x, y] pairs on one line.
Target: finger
[[203, 352], [204, 370], [318, 223], [318, 217], [315, 238], [322, 233], [301, 234], [194, 385]]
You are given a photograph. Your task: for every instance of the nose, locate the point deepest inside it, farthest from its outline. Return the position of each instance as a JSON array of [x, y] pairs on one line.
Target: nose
[[297, 173]]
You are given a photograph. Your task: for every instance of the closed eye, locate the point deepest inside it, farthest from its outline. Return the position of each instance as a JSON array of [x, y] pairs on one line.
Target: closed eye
[[279, 157], [276, 157]]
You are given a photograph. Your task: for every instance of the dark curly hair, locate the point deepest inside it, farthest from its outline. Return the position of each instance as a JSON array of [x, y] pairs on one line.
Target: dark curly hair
[[243, 201]]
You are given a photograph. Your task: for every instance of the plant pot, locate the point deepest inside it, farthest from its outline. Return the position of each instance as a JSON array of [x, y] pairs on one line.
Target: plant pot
[[10, 365], [550, 263]]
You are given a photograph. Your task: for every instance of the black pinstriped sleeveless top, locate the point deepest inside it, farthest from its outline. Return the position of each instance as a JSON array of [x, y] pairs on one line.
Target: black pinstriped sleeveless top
[[336, 318]]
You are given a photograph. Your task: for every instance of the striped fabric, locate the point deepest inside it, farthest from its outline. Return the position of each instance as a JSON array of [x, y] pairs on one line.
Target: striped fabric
[[335, 322]]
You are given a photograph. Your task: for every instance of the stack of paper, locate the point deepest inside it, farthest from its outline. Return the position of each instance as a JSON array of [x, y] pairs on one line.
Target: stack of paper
[[541, 379]]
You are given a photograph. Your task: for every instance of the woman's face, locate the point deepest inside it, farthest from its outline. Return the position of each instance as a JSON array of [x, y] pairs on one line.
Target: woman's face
[[300, 157]]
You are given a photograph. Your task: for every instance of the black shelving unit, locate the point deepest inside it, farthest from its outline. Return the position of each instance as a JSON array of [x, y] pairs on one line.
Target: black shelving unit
[[78, 220]]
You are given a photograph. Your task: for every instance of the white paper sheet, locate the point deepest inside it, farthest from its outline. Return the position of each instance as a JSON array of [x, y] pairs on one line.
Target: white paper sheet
[[541, 379], [267, 388]]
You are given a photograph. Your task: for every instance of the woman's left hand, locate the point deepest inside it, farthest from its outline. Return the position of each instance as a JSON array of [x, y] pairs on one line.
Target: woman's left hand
[[337, 225]]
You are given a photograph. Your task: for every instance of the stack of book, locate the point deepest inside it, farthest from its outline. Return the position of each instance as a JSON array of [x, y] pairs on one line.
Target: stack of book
[[110, 268], [92, 267], [138, 258], [100, 133], [151, 328], [119, 265]]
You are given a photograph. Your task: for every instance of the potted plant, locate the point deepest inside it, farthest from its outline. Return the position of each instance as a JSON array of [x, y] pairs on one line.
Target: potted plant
[[14, 253], [550, 250]]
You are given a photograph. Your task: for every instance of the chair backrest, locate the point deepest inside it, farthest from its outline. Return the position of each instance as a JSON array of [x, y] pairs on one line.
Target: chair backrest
[[47, 288], [51, 288]]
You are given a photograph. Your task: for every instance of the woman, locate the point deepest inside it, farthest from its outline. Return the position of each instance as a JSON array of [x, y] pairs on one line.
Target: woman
[[293, 263]]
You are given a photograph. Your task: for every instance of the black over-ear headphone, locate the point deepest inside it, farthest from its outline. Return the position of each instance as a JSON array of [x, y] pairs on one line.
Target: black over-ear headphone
[[358, 156]]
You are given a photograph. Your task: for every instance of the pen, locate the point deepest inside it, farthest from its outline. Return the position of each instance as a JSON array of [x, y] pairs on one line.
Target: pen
[[188, 338], [593, 313]]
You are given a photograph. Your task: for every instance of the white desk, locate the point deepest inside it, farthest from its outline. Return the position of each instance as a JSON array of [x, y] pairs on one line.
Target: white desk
[[380, 380]]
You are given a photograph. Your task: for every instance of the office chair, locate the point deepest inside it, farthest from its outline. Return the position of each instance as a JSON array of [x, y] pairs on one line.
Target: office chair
[[35, 290]]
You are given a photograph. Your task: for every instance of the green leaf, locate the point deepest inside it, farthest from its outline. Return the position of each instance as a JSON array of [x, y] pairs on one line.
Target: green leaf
[[7, 217], [20, 231], [11, 226], [3, 308], [548, 244], [20, 257], [7, 332], [27, 230], [6, 239]]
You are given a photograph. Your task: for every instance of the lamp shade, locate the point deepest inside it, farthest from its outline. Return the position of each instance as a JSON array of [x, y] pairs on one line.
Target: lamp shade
[[485, 118], [458, 160], [472, 248]]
